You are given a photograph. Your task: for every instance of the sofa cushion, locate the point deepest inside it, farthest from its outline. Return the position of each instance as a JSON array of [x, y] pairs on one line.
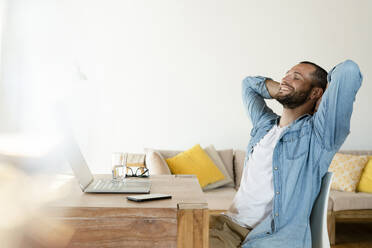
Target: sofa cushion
[[350, 200], [330, 202], [365, 182], [156, 163], [347, 170], [213, 154], [195, 161], [220, 199], [239, 158], [226, 156]]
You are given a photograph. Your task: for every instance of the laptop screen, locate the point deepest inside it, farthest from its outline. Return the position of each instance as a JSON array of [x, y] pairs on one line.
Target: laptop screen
[[77, 162]]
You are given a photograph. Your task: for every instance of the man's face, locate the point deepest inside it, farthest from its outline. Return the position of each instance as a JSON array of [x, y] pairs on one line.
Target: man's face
[[296, 86]]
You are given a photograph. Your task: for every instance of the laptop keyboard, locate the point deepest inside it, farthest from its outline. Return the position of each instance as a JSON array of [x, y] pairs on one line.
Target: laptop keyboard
[[114, 185], [107, 185]]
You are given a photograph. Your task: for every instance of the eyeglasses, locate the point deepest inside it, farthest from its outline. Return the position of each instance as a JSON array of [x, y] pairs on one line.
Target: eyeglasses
[[139, 172]]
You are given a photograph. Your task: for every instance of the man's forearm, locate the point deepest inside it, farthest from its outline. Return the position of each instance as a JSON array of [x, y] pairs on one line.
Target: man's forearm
[[273, 87], [254, 91]]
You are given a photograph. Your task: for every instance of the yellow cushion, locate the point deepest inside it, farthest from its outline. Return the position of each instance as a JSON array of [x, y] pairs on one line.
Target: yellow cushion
[[365, 183], [196, 162], [347, 170]]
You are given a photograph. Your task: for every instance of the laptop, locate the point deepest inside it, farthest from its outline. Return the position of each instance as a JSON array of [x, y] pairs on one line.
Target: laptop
[[89, 184]]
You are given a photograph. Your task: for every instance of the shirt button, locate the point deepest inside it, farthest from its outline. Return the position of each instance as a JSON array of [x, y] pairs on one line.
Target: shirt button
[[277, 192], [276, 168], [276, 214]]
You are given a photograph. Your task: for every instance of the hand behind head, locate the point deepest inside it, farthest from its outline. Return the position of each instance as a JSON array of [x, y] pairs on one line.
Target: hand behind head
[[319, 100]]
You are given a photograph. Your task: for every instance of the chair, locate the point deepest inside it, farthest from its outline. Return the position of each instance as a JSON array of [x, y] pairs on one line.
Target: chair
[[318, 218]]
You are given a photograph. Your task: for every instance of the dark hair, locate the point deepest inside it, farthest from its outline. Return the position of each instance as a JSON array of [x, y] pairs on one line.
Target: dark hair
[[319, 75]]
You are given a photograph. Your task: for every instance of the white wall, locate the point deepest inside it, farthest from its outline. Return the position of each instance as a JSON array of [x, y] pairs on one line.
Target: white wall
[[167, 74], [3, 111]]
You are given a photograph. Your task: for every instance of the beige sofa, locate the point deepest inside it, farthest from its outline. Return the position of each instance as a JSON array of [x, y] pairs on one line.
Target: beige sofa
[[343, 206], [348, 207]]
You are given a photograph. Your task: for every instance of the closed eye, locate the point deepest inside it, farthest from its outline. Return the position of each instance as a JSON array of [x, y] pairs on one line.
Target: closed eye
[[296, 74]]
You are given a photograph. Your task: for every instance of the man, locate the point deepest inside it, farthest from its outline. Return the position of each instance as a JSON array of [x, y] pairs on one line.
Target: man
[[287, 155]]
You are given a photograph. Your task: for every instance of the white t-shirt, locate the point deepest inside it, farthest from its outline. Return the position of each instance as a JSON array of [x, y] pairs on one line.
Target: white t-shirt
[[253, 201]]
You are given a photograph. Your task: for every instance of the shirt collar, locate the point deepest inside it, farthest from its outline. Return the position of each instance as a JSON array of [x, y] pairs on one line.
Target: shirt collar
[[277, 119]]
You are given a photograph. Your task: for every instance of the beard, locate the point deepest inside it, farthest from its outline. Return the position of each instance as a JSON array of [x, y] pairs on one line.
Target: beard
[[294, 99]]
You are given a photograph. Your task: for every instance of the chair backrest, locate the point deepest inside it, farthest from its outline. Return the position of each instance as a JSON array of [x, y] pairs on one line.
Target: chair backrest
[[318, 218]]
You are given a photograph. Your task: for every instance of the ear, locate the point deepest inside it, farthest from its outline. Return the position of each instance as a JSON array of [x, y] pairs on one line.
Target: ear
[[316, 93]]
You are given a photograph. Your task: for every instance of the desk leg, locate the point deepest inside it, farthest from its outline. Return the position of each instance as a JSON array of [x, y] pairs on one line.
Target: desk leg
[[193, 228]]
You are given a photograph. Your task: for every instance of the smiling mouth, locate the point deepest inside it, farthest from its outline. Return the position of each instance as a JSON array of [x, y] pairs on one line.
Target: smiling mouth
[[285, 87]]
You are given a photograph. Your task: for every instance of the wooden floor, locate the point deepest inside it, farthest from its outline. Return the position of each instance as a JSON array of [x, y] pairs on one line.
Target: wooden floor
[[350, 235]]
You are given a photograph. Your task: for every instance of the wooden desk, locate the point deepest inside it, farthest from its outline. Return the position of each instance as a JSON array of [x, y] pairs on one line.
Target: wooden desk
[[110, 220]]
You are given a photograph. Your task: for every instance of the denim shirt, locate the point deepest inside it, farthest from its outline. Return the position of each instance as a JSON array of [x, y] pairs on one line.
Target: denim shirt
[[301, 156]]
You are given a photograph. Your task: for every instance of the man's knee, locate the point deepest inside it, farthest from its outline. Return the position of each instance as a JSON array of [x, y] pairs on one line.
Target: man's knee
[[215, 221]]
